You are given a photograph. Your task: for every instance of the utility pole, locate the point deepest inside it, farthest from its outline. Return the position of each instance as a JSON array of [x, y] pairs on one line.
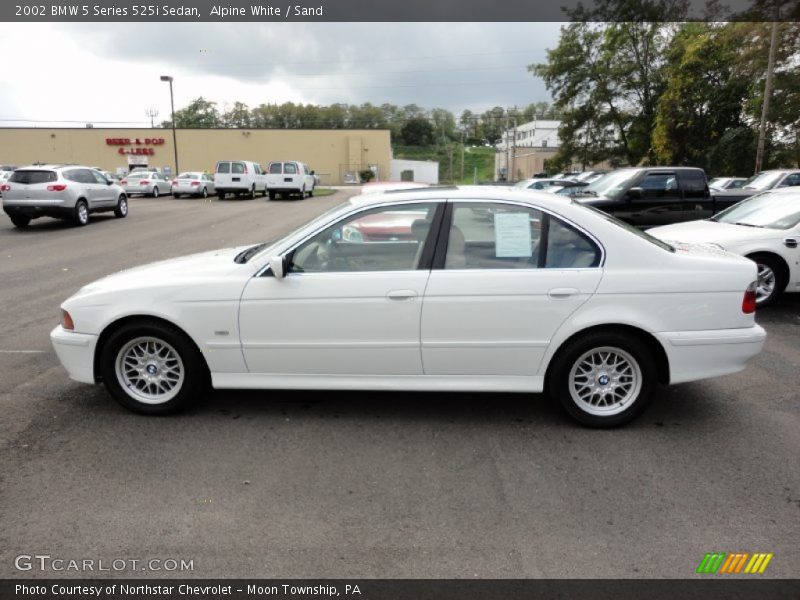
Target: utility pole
[[762, 126], [152, 113], [462, 155]]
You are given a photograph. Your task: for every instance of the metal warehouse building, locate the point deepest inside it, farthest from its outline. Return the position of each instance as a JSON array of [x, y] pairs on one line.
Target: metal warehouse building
[[335, 154]]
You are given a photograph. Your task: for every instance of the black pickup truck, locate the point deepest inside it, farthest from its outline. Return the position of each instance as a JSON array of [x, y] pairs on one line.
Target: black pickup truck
[[650, 196]]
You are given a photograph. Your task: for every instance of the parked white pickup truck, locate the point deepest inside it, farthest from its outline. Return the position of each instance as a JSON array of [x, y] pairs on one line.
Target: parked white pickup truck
[[290, 177]]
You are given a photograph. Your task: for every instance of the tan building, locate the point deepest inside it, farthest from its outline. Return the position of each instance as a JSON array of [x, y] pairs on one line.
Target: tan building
[[335, 154]]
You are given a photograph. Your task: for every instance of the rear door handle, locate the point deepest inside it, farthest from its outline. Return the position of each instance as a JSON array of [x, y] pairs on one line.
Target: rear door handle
[[400, 295], [563, 292]]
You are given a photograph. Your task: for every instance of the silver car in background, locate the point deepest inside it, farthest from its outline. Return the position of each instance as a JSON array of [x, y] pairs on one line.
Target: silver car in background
[[147, 183], [193, 183], [61, 191]]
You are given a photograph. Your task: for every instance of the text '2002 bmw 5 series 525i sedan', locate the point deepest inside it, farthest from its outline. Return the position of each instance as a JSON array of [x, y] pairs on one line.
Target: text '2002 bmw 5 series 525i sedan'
[[457, 289]]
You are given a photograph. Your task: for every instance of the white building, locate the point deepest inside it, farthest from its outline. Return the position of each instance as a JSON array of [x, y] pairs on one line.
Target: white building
[[420, 171], [539, 133]]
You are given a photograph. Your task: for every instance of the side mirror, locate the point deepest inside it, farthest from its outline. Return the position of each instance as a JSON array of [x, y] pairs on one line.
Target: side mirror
[[109, 182], [313, 172], [276, 264], [635, 193]]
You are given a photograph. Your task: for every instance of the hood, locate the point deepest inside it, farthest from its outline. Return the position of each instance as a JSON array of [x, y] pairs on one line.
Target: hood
[[204, 265], [711, 232]]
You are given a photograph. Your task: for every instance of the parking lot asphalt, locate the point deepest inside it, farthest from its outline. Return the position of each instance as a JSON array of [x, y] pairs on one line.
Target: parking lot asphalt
[[407, 485]]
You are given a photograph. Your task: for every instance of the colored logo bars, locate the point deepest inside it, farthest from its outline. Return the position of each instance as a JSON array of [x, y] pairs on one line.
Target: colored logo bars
[[737, 562]]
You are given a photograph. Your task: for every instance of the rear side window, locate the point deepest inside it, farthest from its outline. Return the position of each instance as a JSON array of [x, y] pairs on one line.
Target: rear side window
[[290, 169], [693, 184], [276, 168], [224, 167], [32, 177], [237, 168]]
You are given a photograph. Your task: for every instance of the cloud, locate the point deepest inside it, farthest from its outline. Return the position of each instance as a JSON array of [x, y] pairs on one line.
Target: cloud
[[111, 71]]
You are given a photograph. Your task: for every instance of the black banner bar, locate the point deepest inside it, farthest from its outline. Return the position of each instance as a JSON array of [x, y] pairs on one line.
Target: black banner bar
[[716, 587], [283, 11]]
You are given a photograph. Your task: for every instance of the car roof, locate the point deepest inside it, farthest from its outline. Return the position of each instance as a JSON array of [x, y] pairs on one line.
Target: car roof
[[465, 192]]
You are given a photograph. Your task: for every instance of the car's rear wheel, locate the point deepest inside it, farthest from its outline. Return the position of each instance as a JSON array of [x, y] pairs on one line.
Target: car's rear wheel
[[221, 195], [272, 195], [604, 379], [155, 191], [771, 278], [311, 192], [20, 221], [174, 195], [122, 208], [81, 214], [303, 193], [152, 369]]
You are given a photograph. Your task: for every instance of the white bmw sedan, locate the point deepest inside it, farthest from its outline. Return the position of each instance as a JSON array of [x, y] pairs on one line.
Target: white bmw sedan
[[419, 290], [764, 228]]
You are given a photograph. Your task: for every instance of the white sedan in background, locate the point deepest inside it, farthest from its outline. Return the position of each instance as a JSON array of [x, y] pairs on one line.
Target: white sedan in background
[[546, 294], [764, 228], [148, 183], [193, 183]]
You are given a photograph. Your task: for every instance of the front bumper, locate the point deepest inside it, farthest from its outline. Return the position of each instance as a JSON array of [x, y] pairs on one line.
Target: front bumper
[[76, 353], [697, 355]]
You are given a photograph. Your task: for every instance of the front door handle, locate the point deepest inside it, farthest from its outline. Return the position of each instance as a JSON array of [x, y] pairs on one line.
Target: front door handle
[[400, 295], [563, 292]]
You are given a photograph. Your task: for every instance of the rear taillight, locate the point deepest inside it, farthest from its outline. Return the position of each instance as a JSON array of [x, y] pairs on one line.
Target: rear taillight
[[66, 320], [245, 169], [749, 300], [145, 182], [195, 183], [58, 187], [124, 182], [5, 188]]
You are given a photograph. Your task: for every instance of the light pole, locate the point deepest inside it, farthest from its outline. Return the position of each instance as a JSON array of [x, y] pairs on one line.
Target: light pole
[[174, 137]]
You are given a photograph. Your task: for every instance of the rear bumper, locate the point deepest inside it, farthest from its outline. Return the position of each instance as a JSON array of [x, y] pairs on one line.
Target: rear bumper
[[697, 355], [76, 353], [33, 211]]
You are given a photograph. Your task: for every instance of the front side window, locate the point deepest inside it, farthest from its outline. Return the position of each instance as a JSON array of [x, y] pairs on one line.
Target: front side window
[[388, 238], [655, 185], [99, 178], [505, 236]]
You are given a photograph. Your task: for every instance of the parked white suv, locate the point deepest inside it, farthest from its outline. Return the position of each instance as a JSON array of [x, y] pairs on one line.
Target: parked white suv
[[60, 191], [290, 177], [239, 177]]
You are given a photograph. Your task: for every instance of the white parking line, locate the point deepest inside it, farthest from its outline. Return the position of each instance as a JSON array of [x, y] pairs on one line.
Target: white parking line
[[22, 351]]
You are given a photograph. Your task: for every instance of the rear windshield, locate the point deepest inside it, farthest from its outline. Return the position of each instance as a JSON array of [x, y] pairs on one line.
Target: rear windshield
[[224, 167], [189, 176], [31, 177], [290, 168], [275, 168], [237, 167]]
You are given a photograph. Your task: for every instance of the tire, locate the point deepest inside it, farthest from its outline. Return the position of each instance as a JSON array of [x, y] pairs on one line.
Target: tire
[[20, 221], [155, 192], [221, 195], [264, 192], [174, 195], [611, 367], [158, 351], [771, 278], [272, 195], [311, 192], [252, 192], [121, 211], [303, 193], [204, 193], [81, 213]]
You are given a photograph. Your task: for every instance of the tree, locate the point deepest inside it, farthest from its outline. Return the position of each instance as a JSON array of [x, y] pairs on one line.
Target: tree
[[417, 131], [239, 115], [200, 114]]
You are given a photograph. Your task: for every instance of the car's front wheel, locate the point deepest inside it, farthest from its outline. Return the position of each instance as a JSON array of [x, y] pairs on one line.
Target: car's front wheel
[[152, 368], [155, 192], [771, 278], [121, 211], [604, 379]]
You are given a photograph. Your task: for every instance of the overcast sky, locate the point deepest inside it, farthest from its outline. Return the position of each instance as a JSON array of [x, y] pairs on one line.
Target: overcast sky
[[110, 72]]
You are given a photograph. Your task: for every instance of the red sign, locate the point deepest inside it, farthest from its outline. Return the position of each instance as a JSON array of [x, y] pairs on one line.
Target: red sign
[[136, 141]]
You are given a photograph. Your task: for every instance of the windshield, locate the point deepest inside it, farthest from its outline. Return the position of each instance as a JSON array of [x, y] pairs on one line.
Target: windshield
[[638, 232], [763, 181], [769, 210], [339, 208], [189, 176], [611, 184]]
